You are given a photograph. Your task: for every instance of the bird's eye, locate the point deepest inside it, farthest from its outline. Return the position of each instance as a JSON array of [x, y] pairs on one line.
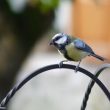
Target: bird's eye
[[57, 38]]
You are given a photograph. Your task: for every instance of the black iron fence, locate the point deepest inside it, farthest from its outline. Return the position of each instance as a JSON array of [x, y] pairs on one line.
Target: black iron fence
[[94, 79]]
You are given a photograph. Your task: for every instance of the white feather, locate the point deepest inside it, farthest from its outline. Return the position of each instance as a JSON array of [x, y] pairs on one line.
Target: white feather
[[61, 40], [59, 34]]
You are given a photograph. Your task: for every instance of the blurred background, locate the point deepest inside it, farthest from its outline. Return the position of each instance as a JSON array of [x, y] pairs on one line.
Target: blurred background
[[26, 27]]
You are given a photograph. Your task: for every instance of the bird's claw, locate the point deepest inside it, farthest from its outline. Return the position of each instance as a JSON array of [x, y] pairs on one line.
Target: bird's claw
[[76, 69], [61, 63]]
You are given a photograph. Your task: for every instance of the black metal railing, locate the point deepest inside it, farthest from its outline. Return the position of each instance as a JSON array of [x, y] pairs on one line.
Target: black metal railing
[[94, 79]]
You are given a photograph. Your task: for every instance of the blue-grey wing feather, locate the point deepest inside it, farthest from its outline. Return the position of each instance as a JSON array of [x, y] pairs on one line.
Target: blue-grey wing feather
[[79, 44]]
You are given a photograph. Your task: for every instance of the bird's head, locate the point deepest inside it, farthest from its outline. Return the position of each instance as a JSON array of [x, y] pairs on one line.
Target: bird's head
[[60, 40]]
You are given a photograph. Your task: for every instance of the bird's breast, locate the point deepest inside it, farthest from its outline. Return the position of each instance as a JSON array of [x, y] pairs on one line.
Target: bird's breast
[[74, 53]]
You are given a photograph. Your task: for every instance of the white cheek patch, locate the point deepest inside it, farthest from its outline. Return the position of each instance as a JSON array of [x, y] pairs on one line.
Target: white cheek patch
[[61, 40]]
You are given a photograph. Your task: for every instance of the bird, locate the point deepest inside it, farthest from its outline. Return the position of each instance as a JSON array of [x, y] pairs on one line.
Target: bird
[[72, 48]]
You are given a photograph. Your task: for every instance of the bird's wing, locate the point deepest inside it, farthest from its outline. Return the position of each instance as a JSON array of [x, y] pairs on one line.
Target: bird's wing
[[79, 44]]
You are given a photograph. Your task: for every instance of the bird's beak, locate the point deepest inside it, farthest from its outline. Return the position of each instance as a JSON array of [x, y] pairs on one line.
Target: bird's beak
[[51, 43]]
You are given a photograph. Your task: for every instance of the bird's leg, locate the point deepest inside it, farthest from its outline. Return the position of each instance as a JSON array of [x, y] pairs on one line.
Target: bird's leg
[[61, 63], [77, 67]]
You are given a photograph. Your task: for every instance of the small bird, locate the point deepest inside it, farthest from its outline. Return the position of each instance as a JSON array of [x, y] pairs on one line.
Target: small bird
[[72, 48]]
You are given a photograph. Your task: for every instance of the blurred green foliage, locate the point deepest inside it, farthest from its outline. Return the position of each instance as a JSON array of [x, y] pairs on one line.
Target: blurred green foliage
[[46, 5]]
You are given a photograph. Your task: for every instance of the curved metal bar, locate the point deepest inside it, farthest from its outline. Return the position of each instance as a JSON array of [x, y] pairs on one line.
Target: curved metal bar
[[2, 108], [50, 67], [91, 84]]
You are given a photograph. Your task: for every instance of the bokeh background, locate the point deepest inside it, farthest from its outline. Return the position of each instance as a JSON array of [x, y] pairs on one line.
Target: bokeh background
[[26, 27]]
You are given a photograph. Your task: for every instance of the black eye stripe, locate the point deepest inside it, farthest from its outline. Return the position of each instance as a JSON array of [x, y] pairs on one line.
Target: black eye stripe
[[58, 38]]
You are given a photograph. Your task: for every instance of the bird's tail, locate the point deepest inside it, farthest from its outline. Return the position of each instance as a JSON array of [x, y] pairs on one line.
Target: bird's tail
[[98, 57]]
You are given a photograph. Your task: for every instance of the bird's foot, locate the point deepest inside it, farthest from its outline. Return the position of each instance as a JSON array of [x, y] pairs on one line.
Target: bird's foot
[[61, 63], [76, 69]]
